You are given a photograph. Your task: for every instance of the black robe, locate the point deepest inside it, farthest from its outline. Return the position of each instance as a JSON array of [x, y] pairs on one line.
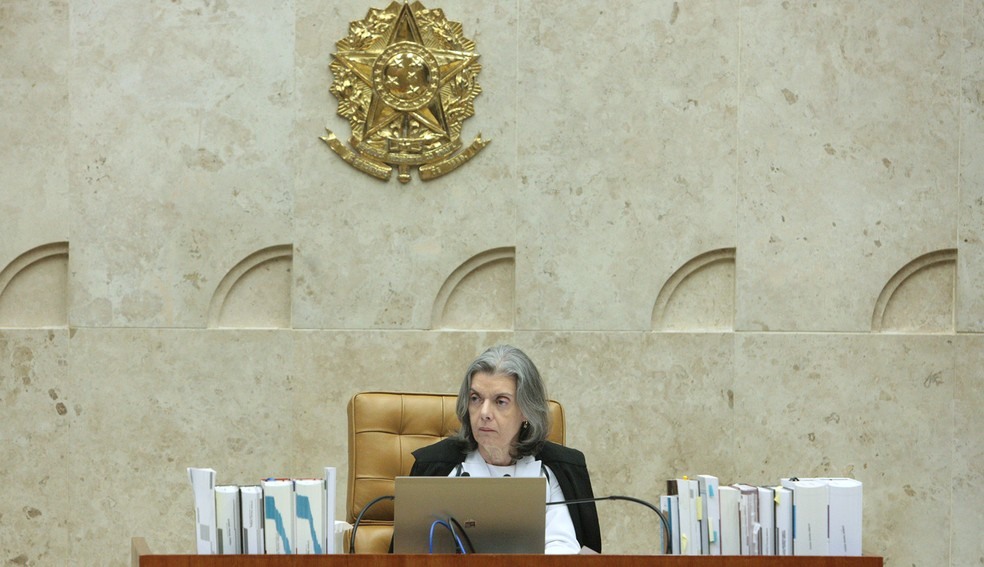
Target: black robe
[[567, 464]]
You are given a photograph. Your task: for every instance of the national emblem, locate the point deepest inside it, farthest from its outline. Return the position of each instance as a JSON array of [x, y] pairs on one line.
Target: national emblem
[[405, 78]]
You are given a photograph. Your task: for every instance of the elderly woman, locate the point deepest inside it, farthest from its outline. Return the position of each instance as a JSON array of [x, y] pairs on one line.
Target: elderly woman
[[502, 407]]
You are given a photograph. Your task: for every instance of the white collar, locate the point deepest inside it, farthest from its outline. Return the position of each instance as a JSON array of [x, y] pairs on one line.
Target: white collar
[[475, 465]]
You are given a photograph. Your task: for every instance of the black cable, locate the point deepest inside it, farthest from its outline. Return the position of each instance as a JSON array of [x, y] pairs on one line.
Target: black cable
[[458, 546], [471, 547], [662, 518], [358, 520]]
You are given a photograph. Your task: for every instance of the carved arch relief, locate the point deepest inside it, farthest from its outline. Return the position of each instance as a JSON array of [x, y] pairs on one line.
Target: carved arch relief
[[479, 294], [699, 296], [256, 292], [920, 297], [34, 288]]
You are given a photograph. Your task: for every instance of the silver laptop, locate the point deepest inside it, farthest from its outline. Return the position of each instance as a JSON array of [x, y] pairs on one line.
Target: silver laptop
[[494, 515]]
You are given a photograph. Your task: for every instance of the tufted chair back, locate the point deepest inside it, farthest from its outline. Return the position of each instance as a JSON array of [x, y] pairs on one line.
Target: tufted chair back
[[384, 428]]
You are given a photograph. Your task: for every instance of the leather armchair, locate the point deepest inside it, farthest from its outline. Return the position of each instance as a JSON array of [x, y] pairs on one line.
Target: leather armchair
[[384, 428]]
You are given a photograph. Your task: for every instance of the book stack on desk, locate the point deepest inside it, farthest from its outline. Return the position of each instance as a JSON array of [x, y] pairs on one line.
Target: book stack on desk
[[276, 516], [799, 516]]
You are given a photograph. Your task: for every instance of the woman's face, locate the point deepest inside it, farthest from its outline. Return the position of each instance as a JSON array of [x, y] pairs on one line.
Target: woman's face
[[495, 416]]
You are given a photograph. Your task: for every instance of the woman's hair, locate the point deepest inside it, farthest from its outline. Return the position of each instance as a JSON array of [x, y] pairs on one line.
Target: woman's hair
[[531, 395]]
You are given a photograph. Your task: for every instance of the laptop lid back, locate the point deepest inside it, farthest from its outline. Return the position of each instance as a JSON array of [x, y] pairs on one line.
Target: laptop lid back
[[498, 515]]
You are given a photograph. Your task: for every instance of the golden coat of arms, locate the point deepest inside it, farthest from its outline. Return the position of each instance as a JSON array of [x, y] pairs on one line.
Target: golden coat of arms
[[405, 78]]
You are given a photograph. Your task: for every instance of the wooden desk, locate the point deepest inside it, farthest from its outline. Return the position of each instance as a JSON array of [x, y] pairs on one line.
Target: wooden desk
[[142, 558]]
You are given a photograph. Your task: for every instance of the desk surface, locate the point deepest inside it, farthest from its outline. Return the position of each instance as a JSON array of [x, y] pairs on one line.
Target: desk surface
[[141, 557], [498, 561]]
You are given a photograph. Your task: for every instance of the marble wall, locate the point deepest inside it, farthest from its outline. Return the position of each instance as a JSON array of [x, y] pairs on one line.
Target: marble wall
[[739, 238]]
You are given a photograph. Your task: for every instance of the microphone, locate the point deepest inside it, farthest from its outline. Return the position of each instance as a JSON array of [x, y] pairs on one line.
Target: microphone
[[662, 518], [358, 520]]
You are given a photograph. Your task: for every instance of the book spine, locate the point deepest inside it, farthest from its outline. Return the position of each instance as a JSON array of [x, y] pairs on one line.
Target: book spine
[[252, 519], [309, 516], [228, 520], [203, 487], [689, 538], [784, 520], [331, 487], [696, 521], [278, 516], [810, 518], [712, 514], [730, 520], [845, 517], [767, 519], [670, 505]]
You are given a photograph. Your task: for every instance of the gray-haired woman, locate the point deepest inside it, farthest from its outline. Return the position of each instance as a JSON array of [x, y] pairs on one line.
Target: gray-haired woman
[[502, 407]]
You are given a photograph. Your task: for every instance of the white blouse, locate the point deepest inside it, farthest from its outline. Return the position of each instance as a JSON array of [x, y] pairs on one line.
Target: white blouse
[[560, 536]]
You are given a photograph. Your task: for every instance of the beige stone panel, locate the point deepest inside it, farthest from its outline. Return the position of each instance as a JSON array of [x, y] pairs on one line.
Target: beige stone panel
[[34, 139], [181, 121], [643, 408], [700, 296], [875, 408], [255, 294], [968, 452], [374, 254], [262, 298], [848, 135], [34, 288], [152, 403], [970, 259], [627, 129], [483, 299], [924, 301], [39, 409]]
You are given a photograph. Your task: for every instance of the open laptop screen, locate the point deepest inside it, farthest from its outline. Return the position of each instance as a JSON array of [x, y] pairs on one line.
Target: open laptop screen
[[498, 515]]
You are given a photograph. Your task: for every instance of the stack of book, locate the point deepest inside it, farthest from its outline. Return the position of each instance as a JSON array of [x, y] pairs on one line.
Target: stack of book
[[277, 516], [799, 516]]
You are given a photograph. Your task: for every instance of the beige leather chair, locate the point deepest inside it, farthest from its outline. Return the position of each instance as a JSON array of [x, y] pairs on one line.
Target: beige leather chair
[[384, 429]]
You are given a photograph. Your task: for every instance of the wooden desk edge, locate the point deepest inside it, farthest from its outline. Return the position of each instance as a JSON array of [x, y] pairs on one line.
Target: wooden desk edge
[[142, 558], [138, 548]]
